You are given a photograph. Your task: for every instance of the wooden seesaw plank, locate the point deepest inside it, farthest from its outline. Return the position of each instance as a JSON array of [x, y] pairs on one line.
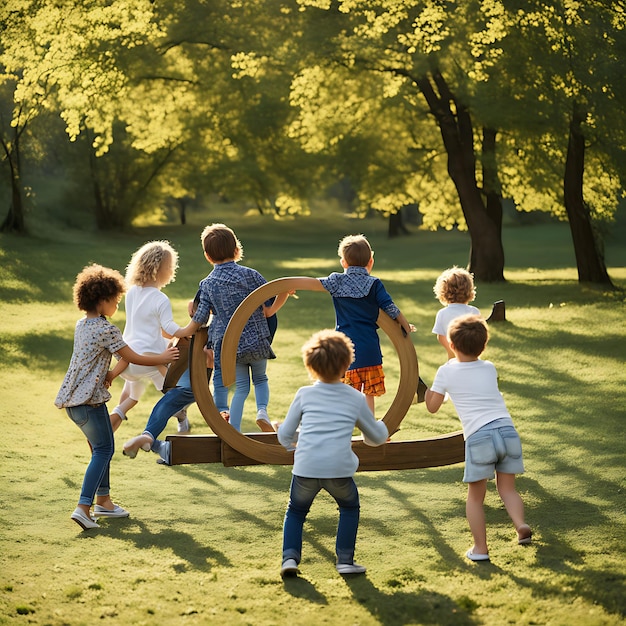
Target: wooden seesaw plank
[[394, 455], [232, 448]]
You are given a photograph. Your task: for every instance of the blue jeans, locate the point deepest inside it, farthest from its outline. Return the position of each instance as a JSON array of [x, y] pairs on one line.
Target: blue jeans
[[242, 389], [220, 393], [301, 496], [96, 426], [173, 401]]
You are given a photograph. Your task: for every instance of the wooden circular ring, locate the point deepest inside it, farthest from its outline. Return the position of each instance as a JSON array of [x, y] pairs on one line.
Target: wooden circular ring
[[276, 454]]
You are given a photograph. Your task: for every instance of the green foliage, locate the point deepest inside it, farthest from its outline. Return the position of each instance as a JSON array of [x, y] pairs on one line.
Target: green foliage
[[272, 103]]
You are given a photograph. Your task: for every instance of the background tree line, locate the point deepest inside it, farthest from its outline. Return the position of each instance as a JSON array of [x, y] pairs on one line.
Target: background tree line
[[122, 108]]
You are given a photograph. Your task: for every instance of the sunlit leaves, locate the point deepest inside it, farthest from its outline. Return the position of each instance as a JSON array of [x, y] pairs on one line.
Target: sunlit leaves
[[70, 56]]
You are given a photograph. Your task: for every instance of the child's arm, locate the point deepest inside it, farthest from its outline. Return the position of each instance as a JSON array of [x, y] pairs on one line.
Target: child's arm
[[279, 300], [188, 330], [408, 328], [288, 430], [443, 340], [433, 400], [120, 366], [168, 356]]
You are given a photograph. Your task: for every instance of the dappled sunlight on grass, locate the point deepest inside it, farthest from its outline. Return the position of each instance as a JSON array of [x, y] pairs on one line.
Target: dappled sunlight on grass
[[301, 265], [203, 543]]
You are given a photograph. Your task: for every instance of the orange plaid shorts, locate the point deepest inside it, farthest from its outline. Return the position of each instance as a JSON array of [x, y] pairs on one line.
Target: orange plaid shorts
[[369, 380]]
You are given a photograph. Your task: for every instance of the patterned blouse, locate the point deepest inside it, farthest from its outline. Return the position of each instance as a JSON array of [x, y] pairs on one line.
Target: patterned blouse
[[95, 341]]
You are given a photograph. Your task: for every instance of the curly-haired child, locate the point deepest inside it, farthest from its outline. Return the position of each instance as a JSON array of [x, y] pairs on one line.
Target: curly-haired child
[[149, 324], [84, 391], [454, 288], [320, 422]]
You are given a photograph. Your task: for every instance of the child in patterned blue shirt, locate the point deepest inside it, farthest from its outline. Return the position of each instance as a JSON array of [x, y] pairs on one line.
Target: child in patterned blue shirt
[[221, 292]]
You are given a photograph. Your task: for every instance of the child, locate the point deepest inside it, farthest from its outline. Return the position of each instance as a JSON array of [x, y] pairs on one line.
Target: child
[[326, 413], [149, 321], [491, 441], [176, 398], [357, 297], [220, 293], [455, 290], [83, 394]]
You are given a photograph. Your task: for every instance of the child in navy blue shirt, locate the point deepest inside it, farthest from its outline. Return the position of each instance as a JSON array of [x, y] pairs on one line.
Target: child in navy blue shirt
[[357, 298]]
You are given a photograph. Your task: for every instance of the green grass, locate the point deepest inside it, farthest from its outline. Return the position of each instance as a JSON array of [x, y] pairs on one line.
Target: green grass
[[202, 545]]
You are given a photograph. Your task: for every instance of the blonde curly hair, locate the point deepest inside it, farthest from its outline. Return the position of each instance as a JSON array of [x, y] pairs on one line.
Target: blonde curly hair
[[455, 286], [146, 264]]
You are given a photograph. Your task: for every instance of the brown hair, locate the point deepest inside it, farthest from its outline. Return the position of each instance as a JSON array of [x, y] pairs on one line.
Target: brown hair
[[355, 250], [469, 334], [455, 286], [95, 284], [328, 354], [221, 244]]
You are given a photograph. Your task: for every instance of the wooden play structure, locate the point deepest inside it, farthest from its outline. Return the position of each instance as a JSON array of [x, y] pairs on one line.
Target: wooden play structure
[[232, 448]]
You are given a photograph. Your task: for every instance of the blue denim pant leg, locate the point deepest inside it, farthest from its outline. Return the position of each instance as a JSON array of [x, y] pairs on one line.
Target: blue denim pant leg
[[261, 383], [301, 496], [242, 389], [173, 401], [220, 393], [95, 424]]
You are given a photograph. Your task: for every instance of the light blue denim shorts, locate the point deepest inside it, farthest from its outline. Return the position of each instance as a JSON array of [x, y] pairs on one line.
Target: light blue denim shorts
[[492, 448]]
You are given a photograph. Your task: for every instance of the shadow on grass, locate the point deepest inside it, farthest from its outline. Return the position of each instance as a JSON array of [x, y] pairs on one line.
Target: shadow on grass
[[197, 556], [558, 521], [395, 608]]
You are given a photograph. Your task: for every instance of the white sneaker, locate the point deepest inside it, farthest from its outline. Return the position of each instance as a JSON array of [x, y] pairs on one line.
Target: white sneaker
[[263, 421], [351, 568], [289, 568], [183, 425], [116, 511], [132, 446], [165, 453], [84, 521]]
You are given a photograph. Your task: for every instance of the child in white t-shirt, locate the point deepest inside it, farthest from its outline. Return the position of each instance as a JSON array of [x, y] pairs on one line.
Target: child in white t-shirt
[[492, 445], [455, 290]]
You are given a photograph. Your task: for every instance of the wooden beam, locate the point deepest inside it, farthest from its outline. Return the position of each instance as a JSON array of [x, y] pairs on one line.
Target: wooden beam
[[394, 455]]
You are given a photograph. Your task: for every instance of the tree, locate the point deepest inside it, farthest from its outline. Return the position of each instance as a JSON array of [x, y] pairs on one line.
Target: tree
[[68, 57], [572, 52], [413, 49]]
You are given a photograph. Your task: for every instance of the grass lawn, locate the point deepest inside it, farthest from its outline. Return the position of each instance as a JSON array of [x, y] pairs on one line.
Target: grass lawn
[[203, 543]]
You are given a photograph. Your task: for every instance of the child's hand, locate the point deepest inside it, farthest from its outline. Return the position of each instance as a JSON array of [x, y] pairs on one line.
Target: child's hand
[[109, 378], [170, 355], [412, 328]]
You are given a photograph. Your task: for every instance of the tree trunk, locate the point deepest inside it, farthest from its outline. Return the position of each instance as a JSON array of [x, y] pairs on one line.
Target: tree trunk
[[587, 248], [396, 225], [486, 252], [14, 221], [182, 210], [492, 191]]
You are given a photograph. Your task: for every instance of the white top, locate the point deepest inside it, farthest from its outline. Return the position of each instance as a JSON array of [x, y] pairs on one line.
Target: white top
[[95, 341], [449, 313], [148, 310], [327, 414], [473, 388]]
